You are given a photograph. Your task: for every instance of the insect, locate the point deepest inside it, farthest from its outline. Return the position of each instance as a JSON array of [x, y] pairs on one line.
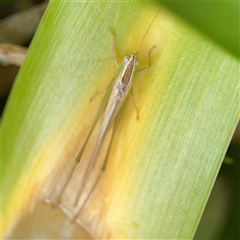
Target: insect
[[110, 111]]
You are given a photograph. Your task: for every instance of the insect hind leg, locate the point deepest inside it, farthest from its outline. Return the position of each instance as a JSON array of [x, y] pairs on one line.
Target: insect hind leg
[[104, 166]]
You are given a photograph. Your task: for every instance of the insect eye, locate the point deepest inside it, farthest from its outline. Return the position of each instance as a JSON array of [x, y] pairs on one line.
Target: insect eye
[[126, 59]]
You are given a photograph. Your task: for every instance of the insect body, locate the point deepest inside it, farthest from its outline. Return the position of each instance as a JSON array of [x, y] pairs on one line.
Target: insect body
[[111, 110], [119, 92]]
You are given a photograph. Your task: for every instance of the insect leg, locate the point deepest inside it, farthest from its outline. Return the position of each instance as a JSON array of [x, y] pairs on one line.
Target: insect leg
[[104, 166], [78, 158], [149, 62], [96, 94], [134, 103], [114, 48]]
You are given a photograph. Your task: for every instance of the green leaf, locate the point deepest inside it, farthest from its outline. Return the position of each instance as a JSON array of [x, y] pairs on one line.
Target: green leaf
[[162, 167]]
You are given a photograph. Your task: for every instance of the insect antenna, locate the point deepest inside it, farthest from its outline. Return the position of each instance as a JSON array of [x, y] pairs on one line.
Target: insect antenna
[[149, 28]]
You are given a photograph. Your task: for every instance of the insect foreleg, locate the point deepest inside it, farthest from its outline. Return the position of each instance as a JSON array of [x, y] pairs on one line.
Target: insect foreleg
[[149, 62], [114, 48]]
